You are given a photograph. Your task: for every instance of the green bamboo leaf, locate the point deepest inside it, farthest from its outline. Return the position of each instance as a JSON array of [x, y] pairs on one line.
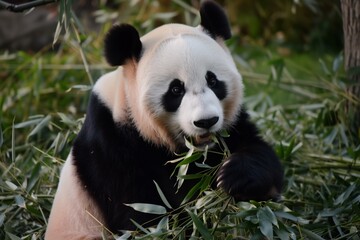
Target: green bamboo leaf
[[140, 227], [11, 185], [165, 16], [162, 225], [203, 165], [291, 217], [324, 67], [67, 120], [345, 195], [189, 145], [44, 122], [266, 221], [190, 159], [81, 87], [12, 236], [282, 232], [125, 236], [193, 190], [27, 123], [266, 229], [147, 208], [182, 172], [200, 226], [58, 30], [311, 234], [13, 142], [2, 219], [34, 177], [191, 176], [162, 196], [338, 62], [20, 201]]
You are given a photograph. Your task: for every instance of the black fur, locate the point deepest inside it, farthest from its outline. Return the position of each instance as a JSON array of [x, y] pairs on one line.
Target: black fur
[[214, 20], [116, 166], [171, 100], [122, 43], [218, 87], [253, 171]]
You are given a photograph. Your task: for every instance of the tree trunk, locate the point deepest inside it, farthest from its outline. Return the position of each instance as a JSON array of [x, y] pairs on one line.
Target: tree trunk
[[351, 26]]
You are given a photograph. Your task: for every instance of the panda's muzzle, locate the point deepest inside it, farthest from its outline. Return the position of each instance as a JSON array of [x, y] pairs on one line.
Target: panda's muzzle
[[206, 124]]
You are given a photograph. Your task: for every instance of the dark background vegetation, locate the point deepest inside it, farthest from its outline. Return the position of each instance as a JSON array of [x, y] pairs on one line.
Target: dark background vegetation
[[290, 55]]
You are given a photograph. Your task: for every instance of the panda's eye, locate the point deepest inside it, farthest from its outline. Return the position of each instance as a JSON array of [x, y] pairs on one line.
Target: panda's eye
[[177, 88], [211, 79]]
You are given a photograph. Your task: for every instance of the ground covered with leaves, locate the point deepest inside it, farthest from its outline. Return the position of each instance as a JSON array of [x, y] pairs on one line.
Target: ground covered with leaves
[[298, 100]]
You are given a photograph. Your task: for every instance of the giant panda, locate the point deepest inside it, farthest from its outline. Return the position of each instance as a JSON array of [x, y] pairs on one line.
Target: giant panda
[[176, 82]]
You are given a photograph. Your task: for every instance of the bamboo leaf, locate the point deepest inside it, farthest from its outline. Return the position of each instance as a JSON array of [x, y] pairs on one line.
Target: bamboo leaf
[[11, 185], [27, 123], [200, 226], [147, 208], [34, 178], [190, 159], [12, 236], [2, 219], [311, 234], [20, 201], [266, 221], [140, 227], [162, 196], [345, 195], [193, 190], [291, 217], [44, 122]]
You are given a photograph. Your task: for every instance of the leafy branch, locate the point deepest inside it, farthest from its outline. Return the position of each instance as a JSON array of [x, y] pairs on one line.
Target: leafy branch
[[24, 6]]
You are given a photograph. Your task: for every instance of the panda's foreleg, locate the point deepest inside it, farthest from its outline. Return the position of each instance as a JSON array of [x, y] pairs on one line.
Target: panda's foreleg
[[253, 171], [73, 214], [251, 175]]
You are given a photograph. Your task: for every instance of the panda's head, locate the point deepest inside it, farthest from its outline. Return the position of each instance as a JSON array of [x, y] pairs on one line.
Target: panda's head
[[180, 81]]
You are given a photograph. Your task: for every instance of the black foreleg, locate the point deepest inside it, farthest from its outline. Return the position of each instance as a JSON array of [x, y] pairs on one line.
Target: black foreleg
[[253, 171]]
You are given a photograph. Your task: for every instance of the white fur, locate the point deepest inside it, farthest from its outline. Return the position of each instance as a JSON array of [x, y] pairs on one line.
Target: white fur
[[110, 87], [73, 214], [187, 54]]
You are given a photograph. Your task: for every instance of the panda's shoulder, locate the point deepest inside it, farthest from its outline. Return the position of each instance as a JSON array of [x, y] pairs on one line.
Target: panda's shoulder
[[105, 86], [109, 91]]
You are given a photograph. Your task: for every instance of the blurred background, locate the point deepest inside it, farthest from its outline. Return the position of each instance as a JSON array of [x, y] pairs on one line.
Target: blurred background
[[297, 25]]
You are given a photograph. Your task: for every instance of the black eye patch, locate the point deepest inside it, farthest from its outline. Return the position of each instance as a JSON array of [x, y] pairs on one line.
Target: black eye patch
[[217, 86], [171, 100]]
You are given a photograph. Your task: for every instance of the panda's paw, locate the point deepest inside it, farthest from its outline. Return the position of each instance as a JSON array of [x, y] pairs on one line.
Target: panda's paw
[[245, 178]]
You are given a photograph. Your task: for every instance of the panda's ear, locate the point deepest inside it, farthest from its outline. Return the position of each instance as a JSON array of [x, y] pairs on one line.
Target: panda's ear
[[214, 20], [122, 43]]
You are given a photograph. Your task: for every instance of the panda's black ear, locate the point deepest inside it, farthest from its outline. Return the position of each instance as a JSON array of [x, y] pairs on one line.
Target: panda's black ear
[[122, 42], [214, 20]]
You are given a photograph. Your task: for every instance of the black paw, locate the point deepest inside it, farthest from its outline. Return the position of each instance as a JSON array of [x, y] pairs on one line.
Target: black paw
[[251, 177]]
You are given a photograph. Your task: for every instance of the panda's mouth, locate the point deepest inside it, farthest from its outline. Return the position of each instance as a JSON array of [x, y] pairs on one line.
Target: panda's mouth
[[203, 140]]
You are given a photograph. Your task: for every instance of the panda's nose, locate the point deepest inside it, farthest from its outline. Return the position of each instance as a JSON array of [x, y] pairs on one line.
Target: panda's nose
[[206, 123]]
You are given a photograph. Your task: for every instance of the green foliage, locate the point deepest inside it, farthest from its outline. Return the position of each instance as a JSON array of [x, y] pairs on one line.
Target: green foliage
[[298, 103], [298, 25]]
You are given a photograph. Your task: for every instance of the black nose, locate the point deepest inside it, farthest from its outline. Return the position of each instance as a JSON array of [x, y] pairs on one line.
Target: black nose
[[206, 123]]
